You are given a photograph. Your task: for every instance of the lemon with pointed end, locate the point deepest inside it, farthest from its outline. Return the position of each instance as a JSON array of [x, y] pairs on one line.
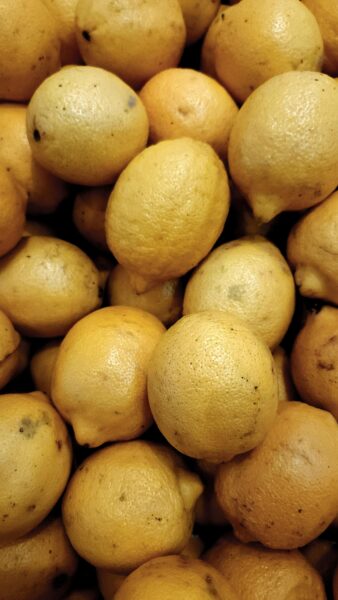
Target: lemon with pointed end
[[295, 165], [166, 210], [312, 251], [99, 379]]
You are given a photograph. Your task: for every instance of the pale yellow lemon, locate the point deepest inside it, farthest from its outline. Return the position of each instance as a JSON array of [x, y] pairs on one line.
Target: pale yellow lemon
[[247, 277], [85, 124], [295, 164]]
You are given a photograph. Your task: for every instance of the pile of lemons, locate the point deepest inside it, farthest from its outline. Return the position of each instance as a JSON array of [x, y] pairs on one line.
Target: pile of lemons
[[168, 299]]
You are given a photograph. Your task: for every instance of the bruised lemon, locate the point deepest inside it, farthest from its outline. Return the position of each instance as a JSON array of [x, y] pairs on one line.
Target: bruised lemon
[[35, 441], [39, 565], [284, 493], [250, 278]]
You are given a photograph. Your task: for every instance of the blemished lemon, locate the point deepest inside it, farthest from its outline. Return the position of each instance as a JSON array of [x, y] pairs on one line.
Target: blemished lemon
[[133, 39], [99, 379], [164, 301], [89, 212], [130, 502], [257, 40], [284, 493], [85, 124], [29, 47], [295, 165], [184, 102], [42, 190], [176, 577], [258, 573], [247, 277], [12, 212], [34, 441], [211, 386], [46, 285], [312, 251], [314, 360], [167, 210], [198, 16], [326, 14], [64, 12], [39, 565]]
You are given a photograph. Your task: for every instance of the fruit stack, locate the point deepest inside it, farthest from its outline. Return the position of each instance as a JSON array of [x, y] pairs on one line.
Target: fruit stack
[[168, 300]]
